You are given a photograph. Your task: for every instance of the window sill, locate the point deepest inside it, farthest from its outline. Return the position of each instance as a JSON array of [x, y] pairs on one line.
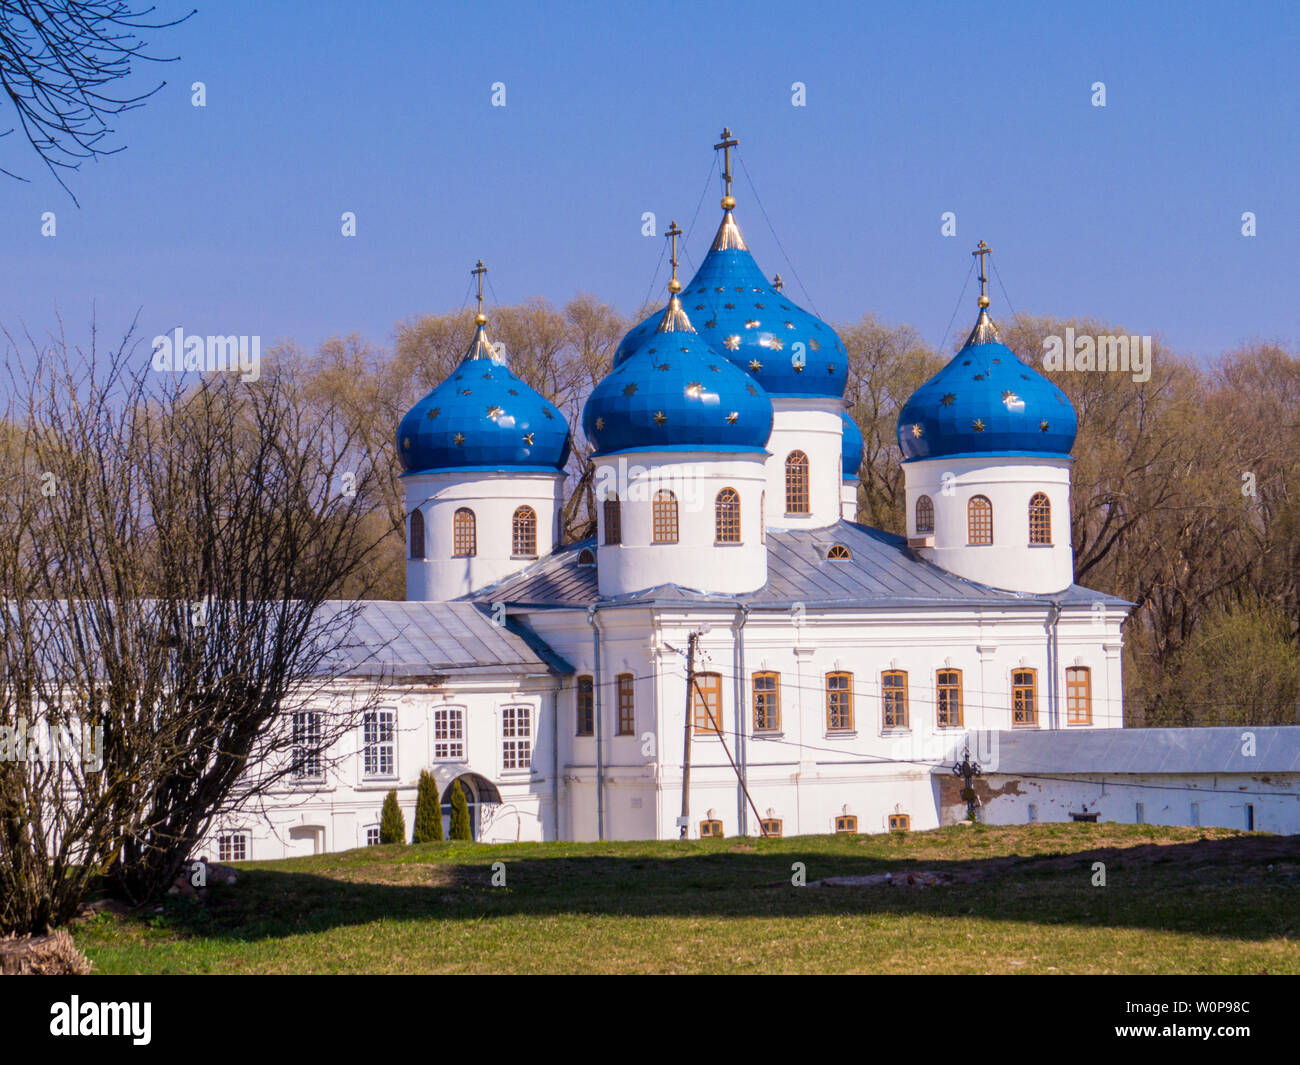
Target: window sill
[[840, 734], [768, 734], [1024, 724], [951, 728], [1078, 724], [1039, 545], [517, 773], [979, 545], [798, 514], [664, 543], [896, 730], [451, 759], [728, 543], [472, 555], [378, 783], [523, 558]]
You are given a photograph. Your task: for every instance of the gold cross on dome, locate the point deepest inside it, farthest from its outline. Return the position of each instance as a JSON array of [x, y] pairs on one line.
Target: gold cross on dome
[[672, 233], [478, 273], [726, 144], [982, 250]]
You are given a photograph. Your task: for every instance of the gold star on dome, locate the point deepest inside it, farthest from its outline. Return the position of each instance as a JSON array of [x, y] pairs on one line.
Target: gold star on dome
[[830, 368], [916, 430], [752, 324], [528, 439], [751, 390], [715, 369], [728, 306], [513, 391], [798, 367], [694, 388], [487, 376], [732, 342], [549, 416], [686, 351], [600, 423], [789, 325], [494, 412], [978, 425], [660, 417], [1007, 394], [406, 442], [760, 307], [814, 345], [755, 365], [775, 343], [733, 417], [466, 392], [662, 366], [719, 289], [629, 390], [434, 412], [949, 399], [459, 438], [1043, 425], [711, 323]]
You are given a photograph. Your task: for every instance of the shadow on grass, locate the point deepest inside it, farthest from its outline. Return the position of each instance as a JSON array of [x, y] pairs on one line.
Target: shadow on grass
[[1217, 887]]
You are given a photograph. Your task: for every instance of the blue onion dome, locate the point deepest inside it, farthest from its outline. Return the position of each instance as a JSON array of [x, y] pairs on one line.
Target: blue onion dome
[[483, 417], [851, 445], [672, 392], [789, 351], [986, 401]]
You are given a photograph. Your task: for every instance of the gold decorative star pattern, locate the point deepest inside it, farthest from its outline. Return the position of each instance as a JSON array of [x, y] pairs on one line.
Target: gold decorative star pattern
[[629, 390], [755, 365], [528, 439], [752, 324], [600, 423], [660, 417], [549, 416], [460, 439], [733, 417], [949, 398], [916, 430], [494, 411], [814, 345], [466, 392], [978, 425], [775, 343], [732, 342], [694, 388], [434, 412], [1043, 425], [406, 442]]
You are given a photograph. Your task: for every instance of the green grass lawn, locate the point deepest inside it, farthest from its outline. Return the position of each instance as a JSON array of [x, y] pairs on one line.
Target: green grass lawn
[[1176, 900]]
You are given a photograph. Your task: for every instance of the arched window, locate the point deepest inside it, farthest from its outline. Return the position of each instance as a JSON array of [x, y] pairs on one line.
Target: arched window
[[727, 516], [665, 517], [839, 553], [924, 514], [586, 557], [524, 542], [464, 533], [796, 483], [979, 520], [1040, 519], [417, 534], [613, 519]]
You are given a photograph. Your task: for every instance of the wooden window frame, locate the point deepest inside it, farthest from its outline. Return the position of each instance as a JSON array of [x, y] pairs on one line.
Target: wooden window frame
[[517, 738], [940, 687], [307, 756], [1017, 688], [726, 516], [417, 533], [771, 826], [705, 686], [846, 824], [584, 692], [1071, 695], [924, 515], [449, 733], [888, 694], [664, 525], [977, 524], [625, 685], [768, 698], [464, 533], [798, 499], [900, 822], [711, 828], [228, 843], [1040, 520], [523, 533], [612, 509], [379, 735], [838, 553], [839, 702]]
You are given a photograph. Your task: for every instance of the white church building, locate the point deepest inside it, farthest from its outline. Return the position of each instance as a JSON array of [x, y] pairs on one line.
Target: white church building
[[838, 670]]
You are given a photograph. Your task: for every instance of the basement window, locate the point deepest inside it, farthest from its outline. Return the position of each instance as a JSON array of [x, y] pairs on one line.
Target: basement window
[[710, 828], [900, 822], [772, 826], [847, 823]]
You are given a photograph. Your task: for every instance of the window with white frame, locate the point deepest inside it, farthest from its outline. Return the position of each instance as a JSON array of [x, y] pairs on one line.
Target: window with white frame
[[378, 756], [232, 847], [516, 737], [307, 745], [372, 835], [449, 733]]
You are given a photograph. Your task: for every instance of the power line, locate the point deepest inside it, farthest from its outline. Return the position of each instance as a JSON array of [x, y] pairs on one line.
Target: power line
[[789, 262]]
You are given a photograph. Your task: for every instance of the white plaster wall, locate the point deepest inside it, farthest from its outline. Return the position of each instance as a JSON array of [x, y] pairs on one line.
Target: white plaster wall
[[493, 498], [812, 426], [696, 561], [849, 499], [1010, 562]]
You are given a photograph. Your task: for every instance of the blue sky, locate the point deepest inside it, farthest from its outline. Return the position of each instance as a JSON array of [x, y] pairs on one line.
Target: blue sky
[[226, 219]]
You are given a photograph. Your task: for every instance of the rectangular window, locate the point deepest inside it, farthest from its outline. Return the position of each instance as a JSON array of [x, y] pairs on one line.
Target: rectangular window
[[626, 705], [586, 706], [1140, 814], [847, 823], [771, 826], [900, 822], [377, 739], [516, 737], [767, 702], [1196, 813], [1033, 813], [710, 828], [893, 698], [947, 690], [1250, 817], [232, 847], [1024, 697], [1078, 696], [306, 745], [449, 733], [613, 521], [839, 702], [706, 700], [372, 835]]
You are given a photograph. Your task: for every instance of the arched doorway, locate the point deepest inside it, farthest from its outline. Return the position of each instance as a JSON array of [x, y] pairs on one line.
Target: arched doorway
[[480, 794]]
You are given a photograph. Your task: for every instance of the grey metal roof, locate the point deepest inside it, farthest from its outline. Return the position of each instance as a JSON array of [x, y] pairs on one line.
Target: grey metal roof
[[404, 639], [1145, 750], [883, 572]]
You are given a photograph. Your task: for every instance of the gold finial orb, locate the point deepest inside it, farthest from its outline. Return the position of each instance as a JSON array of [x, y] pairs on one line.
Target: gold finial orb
[[984, 301], [480, 318], [674, 286], [728, 202]]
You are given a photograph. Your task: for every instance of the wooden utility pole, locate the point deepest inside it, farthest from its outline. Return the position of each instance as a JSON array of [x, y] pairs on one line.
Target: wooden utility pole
[[685, 819]]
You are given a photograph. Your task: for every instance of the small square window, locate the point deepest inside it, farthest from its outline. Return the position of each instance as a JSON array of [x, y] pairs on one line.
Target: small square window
[[710, 828], [847, 823], [372, 836], [232, 847], [900, 822], [772, 826]]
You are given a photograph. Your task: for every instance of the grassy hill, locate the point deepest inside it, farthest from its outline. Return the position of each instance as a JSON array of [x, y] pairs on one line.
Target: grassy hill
[[1011, 899]]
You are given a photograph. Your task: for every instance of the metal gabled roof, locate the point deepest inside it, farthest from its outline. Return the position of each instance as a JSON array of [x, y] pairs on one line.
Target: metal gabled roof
[[882, 572], [1146, 750], [404, 639]]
